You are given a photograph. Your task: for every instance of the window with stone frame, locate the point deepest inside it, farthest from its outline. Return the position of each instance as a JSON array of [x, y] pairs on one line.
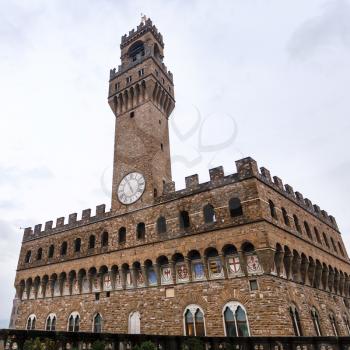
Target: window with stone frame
[[28, 257], [104, 239], [92, 242], [122, 235], [334, 324], [297, 224], [161, 225], [51, 322], [325, 239], [333, 245], [272, 207], [285, 217], [39, 254], [316, 321], [31, 322], [235, 207], [141, 230], [317, 235], [194, 321], [235, 320], [347, 324], [209, 214], [74, 322], [51, 251], [184, 219], [97, 323], [307, 229], [64, 247], [294, 314], [77, 245]]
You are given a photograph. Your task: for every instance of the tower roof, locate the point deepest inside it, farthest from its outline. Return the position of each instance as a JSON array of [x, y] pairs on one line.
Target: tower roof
[[145, 26]]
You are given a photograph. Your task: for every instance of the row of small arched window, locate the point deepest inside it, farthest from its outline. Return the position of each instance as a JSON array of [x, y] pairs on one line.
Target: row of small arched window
[[287, 222], [234, 205]]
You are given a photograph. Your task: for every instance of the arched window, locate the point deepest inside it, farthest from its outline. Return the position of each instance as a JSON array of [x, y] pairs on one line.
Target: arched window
[[97, 323], [194, 321], [140, 230], [51, 251], [347, 324], [285, 217], [77, 245], [134, 323], [272, 209], [161, 225], [104, 239], [235, 207], [333, 324], [317, 234], [51, 322], [31, 321], [39, 254], [28, 257], [209, 214], [333, 245], [294, 314], [325, 239], [136, 50], [307, 229], [122, 235], [341, 249], [92, 240], [316, 321], [73, 322], [184, 220], [235, 320], [296, 223], [64, 248]]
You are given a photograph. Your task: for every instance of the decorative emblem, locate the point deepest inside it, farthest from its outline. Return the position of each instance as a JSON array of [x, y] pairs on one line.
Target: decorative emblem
[[234, 265], [253, 264], [215, 267], [198, 270], [131, 188], [75, 286], [107, 282], [140, 279], [95, 284], [152, 277], [166, 274], [182, 272], [128, 279]]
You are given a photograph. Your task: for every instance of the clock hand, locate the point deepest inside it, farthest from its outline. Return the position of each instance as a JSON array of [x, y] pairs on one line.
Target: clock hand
[[130, 188]]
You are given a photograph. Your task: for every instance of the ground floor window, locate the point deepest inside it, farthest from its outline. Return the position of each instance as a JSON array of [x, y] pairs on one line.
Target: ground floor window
[[73, 322], [97, 323], [194, 321], [316, 321], [31, 322], [51, 322], [134, 323], [235, 320], [294, 314]]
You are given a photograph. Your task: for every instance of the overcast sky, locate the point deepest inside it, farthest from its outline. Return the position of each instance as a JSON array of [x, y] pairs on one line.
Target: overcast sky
[[262, 78]]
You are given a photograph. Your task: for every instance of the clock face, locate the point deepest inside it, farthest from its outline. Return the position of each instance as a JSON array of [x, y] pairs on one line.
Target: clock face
[[131, 188]]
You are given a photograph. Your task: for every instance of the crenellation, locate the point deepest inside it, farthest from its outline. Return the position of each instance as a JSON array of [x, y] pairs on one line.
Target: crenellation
[[278, 182], [266, 174], [48, 225], [308, 203], [216, 174], [289, 189], [37, 229], [60, 222], [247, 167], [192, 181], [169, 187], [317, 209], [299, 197], [100, 210], [72, 218], [86, 214], [324, 214]]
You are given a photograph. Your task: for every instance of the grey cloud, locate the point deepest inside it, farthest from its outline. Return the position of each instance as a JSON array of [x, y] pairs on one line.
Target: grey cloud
[[11, 175], [329, 30]]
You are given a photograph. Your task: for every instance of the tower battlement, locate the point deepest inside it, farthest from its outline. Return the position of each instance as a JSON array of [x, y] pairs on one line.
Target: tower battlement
[[142, 28], [246, 168]]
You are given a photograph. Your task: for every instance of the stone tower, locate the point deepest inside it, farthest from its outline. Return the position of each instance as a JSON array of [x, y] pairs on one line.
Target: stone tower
[[141, 96]]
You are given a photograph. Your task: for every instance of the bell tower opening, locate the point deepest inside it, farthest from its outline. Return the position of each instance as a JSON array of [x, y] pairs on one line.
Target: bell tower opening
[[141, 96]]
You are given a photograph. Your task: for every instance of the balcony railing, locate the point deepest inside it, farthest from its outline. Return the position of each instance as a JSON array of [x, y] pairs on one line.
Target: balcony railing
[[15, 340]]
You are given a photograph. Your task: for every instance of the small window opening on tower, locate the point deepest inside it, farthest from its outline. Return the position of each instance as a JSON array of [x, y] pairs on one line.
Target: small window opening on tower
[[141, 72], [108, 294], [97, 296], [161, 147], [160, 122], [253, 285], [117, 86], [155, 192], [156, 73], [132, 114], [163, 81], [129, 79]]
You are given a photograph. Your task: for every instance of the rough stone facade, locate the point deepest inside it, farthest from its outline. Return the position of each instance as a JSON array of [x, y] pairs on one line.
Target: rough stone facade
[[243, 238]]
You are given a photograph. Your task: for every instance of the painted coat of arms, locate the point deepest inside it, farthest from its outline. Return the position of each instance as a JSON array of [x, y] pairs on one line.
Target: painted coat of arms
[[234, 265], [166, 274], [253, 265], [198, 271], [182, 273], [107, 282]]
